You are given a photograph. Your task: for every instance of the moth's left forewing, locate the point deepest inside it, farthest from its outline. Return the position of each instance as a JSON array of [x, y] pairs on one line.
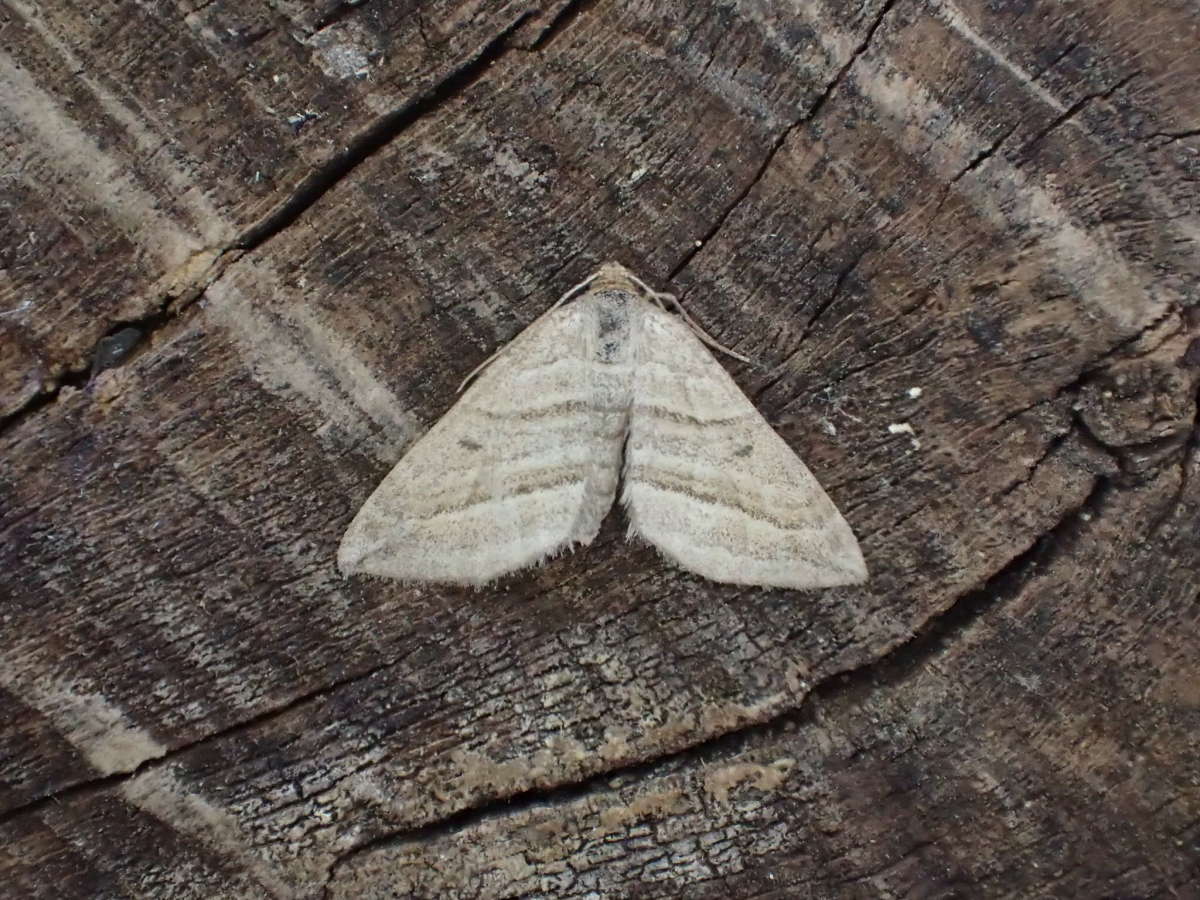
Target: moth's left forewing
[[523, 466]]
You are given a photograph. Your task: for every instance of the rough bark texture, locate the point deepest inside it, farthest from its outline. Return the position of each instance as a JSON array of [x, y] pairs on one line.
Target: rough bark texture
[[248, 250]]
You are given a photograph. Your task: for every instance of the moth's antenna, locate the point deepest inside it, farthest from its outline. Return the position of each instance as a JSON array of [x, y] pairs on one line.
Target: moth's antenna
[[557, 303], [662, 298], [704, 335]]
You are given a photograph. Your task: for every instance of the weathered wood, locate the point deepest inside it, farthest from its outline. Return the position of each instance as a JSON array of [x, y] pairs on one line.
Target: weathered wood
[[150, 140], [958, 238]]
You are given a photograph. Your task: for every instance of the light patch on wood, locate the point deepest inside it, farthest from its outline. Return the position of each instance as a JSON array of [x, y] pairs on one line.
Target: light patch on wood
[[505, 159], [545, 840], [563, 757], [309, 361], [719, 783], [343, 51], [712, 719], [1001, 191], [86, 168], [88, 721], [189, 275], [953, 17], [616, 744], [163, 796], [650, 806], [515, 867]]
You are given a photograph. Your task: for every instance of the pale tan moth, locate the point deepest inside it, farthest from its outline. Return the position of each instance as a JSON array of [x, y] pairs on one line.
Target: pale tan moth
[[610, 389]]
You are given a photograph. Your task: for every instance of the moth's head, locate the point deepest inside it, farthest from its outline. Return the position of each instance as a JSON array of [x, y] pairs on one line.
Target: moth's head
[[614, 276]]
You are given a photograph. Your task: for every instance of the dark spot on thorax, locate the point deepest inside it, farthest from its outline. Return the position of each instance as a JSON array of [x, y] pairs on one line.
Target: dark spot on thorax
[[612, 336], [468, 444]]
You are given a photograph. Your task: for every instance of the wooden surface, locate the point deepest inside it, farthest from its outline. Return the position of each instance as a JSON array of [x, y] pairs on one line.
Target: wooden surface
[[247, 251]]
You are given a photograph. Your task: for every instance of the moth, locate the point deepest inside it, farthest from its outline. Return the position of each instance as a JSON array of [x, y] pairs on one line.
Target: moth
[[610, 390]]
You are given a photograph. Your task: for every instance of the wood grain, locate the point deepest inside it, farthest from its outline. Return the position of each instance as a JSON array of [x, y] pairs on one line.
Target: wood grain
[[958, 239]]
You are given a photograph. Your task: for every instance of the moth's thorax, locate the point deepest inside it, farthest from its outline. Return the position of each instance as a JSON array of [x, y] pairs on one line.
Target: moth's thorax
[[613, 276], [614, 318]]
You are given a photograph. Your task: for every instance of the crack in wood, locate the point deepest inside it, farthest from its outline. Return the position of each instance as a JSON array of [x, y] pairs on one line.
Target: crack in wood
[[1058, 57], [1052, 447], [147, 324], [375, 137], [561, 21], [1189, 455], [1095, 368], [978, 160], [1074, 110], [311, 189], [838, 284], [891, 666], [1171, 137], [94, 785], [778, 142], [336, 13]]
